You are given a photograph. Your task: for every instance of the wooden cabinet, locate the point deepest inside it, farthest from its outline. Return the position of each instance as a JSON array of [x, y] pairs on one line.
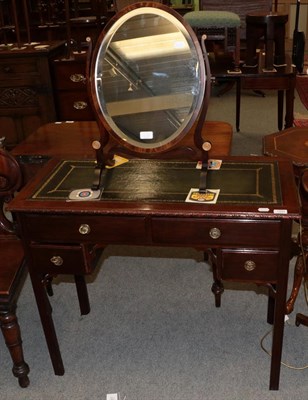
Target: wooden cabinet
[[26, 92], [70, 89]]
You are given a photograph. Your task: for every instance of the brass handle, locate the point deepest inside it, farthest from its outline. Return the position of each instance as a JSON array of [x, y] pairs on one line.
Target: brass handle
[[76, 78], [215, 233], [80, 105], [84, 229], [249, 265], [57, 260]]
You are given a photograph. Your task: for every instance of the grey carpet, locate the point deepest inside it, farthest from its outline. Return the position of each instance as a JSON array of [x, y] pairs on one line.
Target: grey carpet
[[153, 332]]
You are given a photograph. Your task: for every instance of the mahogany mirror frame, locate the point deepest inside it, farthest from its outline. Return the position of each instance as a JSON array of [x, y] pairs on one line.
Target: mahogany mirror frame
[[110, 143]]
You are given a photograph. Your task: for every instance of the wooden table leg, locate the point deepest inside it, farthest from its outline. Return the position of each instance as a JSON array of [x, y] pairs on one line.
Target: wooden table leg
[[289, 118], [280, 305], [45, 311], [280, 109], [82, 293], [238, 104]]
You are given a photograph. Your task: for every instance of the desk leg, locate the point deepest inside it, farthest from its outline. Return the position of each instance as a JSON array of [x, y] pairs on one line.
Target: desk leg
[[238, 104], [280, 109], [280, 304], [82, 293], [290, 104], [45, 311]]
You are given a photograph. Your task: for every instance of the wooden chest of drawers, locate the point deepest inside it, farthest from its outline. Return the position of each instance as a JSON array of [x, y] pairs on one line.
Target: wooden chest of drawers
[[71, 97], [26, 93]]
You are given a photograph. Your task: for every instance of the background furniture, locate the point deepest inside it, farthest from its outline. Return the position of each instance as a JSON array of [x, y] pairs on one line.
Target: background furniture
[[237, 7], [270, 26], [303, 258], [26, 89], [218, 26], [283, 81], [12, 269]]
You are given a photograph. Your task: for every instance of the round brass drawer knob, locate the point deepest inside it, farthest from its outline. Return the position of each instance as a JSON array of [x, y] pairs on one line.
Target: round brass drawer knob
[[215, 233], [76, 78], [250, 265], [80, 105], [57, 260], [84, 229]]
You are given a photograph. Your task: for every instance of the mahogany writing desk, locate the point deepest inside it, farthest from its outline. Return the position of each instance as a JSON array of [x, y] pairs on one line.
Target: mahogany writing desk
[[144, 204]]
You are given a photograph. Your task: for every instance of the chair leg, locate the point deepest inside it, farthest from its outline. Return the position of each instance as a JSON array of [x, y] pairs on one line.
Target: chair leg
[[11, 332], [301, 319]]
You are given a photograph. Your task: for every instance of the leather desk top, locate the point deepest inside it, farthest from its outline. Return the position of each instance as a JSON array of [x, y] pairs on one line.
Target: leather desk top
[[160, 181]]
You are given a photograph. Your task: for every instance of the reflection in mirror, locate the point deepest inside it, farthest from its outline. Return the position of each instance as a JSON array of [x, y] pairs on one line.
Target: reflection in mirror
[[149, 78]]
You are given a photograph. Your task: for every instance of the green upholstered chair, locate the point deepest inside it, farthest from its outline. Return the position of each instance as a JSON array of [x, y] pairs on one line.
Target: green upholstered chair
[[218, 26]]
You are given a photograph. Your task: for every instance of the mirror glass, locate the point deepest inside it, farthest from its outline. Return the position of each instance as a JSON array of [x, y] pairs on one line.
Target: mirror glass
[[149, 77]]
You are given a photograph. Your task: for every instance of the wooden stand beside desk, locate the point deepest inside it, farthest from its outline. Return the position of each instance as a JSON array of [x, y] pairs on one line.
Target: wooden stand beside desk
[[283, 81]]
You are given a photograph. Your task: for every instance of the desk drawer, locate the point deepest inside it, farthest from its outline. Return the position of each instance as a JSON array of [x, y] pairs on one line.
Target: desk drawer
[[63, 259], [216, 232], [248, 265], [86, 229]]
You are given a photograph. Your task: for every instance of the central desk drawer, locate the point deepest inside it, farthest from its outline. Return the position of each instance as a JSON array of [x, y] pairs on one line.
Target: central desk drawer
[[216, 232], [63, 259], [86, 229]]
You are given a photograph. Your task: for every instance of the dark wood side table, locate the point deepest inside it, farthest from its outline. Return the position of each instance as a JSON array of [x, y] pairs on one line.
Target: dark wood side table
[[292, 144], [248, 244], [254, 78]]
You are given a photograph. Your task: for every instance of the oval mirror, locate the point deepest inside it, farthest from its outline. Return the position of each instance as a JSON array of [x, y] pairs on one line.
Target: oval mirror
[[147, 77]]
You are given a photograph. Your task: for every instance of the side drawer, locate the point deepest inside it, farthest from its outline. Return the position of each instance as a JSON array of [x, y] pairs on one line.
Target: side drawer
[[86, 229], [64, 259], [216, 232], [247, 265]]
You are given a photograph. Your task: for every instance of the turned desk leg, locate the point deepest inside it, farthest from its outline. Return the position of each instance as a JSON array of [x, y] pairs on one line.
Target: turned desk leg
[[11, 332]]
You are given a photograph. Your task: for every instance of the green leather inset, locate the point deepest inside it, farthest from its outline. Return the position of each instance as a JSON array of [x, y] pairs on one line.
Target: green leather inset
[[167, 181]]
